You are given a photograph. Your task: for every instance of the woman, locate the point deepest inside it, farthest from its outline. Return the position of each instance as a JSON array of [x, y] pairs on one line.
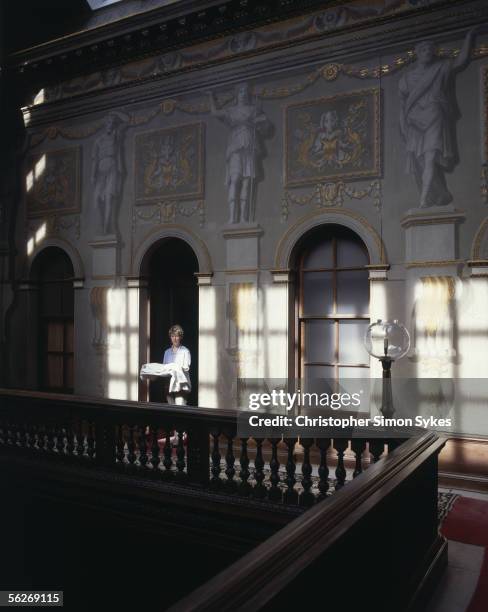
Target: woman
[[179, 355]]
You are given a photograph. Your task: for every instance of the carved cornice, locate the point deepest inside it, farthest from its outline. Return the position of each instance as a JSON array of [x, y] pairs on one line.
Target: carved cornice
[[169, 28], [405, 28]]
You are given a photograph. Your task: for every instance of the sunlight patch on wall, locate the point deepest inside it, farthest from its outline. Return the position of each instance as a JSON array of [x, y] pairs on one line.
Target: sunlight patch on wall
[[208, 366], [37, 238]]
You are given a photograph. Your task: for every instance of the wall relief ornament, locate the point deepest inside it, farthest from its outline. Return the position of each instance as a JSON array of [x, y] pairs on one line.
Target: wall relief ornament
[[53, 225], [52, 182], [167, 212], [169, 163], [332, 138], [331, 195]]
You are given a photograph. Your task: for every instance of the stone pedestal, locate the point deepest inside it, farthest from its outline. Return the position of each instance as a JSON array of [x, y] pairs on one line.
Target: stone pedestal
[[242, 246], [104, 257], [430, 235]]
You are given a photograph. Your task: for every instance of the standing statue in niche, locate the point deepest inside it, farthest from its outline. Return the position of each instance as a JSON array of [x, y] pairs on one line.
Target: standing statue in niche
[[107, 170], [247, 123], [427, 119]]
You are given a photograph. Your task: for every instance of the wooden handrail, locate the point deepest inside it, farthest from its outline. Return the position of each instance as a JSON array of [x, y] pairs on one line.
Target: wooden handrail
[[250, 583], [62, 401]]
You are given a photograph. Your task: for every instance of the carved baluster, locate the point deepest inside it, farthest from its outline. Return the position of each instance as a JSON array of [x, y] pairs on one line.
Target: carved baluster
[[215, 480], [70, 440], [323, 444], [50, 439], [120, 444], [8, 434], [244, 463], [274, 466], [40, 438], [143, 458], [259, 489], [357, 445], [168, 461], [291, 495], [340, 444], [22, 440], [24, 437], [90, 440], [306, 497], [131, 446], [60, 440], [80, 440], [230, 460], [180, 453], [376, 448], [155, 458]]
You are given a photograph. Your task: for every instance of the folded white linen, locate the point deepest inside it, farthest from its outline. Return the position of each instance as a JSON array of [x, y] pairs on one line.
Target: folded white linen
[[178, 381]]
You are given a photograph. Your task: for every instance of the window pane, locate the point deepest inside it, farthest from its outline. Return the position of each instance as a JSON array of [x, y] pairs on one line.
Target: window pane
[[68, 296], [51, 299], [54, 372], [353, 292], [55, 336], [351, 252], [351, 342], [353, 373], [318, 379], [69, 337], [317, 293], [319, 256], [69, 371], [319, 341], [317, 373]]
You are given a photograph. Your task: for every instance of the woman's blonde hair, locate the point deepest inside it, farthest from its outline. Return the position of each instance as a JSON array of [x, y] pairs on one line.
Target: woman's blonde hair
[[176, 330]]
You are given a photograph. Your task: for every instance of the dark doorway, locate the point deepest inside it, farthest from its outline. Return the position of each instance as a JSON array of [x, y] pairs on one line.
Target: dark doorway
[[173, 295], [53, 271]]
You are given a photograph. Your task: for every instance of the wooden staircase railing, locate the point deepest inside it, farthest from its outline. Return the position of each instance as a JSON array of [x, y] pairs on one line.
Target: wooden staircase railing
[[188, 445]]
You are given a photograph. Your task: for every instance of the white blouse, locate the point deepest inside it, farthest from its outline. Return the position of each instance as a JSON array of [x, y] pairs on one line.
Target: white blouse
[[182, 357]]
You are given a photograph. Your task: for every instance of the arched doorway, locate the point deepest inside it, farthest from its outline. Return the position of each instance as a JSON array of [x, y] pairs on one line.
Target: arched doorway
[[170, 268], [331, 304], [52, 271]]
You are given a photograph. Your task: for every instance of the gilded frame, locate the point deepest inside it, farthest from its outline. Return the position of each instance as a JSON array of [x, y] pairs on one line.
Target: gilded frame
[[374, 96], [195, 193], [73, 199]]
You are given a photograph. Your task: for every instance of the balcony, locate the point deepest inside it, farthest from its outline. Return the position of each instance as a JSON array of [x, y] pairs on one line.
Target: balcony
[[135, 502]]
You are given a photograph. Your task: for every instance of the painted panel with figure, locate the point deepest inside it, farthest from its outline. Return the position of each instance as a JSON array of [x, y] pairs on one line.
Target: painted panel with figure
[[169, 163], [332, 138], [53, 182]]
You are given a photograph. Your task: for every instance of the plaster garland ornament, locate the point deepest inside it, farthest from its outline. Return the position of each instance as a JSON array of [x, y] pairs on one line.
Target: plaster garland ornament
[[328, 72], [166, 212], [56, 224], [331, 194]]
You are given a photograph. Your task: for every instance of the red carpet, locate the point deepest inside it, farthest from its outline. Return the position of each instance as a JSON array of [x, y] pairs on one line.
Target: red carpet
[[467, 522]]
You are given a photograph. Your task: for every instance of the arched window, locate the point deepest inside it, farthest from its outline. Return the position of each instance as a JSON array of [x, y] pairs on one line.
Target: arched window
[[332, 306], [53, 270]]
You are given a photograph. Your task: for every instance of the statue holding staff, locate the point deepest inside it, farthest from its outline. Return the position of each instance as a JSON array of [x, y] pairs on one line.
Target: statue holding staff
[[245, 120], [427, 118], [107, 170]]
